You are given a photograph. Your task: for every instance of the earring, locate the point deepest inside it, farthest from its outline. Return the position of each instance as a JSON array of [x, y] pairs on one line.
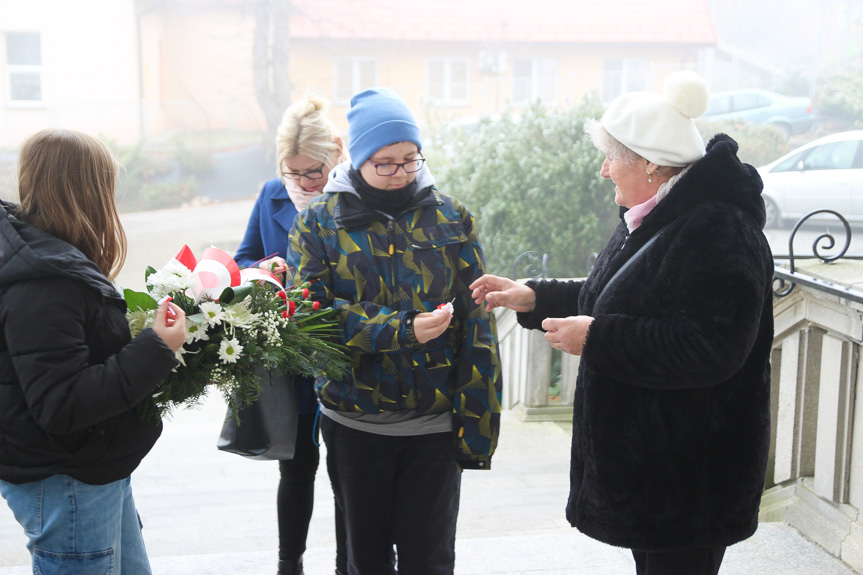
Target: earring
[[649, 179]]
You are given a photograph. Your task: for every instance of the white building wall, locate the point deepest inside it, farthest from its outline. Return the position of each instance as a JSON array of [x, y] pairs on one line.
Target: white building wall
[[89, 69]]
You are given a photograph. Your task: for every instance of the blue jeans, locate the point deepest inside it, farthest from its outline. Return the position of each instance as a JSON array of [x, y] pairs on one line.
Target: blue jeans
[[76, 528]]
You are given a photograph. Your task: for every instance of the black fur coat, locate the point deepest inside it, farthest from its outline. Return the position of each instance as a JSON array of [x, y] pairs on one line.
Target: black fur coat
[[671, 420]]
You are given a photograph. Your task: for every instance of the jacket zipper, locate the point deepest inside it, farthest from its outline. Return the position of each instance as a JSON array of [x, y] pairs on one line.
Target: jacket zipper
[[393, 283]]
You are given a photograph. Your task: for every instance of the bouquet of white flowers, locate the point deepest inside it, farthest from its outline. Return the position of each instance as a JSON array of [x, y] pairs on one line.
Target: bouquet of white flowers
[[237, 322]]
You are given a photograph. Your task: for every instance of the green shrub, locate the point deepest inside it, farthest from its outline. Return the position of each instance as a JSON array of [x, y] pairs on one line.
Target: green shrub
[[532, 182], [152, 179], [793, 82], [759, 145], [840, 99], [191, 161]]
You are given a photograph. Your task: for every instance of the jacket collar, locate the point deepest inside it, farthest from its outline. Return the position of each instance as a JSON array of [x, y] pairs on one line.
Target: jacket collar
[[717, 177], [28, 253], [350, 211]]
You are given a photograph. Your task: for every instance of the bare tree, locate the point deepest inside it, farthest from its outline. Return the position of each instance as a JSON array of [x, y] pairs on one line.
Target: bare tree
[[270, 58]]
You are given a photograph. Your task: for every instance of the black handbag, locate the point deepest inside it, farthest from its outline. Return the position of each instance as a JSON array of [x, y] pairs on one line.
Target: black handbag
[[267, 429]]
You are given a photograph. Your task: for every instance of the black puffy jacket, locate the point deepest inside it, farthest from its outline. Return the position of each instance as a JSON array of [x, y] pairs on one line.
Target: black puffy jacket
[[70, 374]]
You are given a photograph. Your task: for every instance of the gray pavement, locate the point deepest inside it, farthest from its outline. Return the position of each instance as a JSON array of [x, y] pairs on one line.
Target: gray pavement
[[209, 512]]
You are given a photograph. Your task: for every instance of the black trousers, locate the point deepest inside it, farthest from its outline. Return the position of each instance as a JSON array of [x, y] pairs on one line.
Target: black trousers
[[704, 561], [296, 497], [395, 490]]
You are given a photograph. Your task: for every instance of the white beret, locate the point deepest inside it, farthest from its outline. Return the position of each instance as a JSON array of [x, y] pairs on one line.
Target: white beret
[[658, 127]]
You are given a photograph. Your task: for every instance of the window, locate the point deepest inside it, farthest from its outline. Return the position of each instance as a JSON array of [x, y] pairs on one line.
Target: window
[[354, 75], [23, 67], [833, 156], [447, 82], [718, 105], [750, 101], [793, 163], [532, 79], [621, 75]]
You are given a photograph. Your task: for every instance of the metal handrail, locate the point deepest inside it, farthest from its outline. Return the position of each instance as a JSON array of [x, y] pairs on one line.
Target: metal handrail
[[790, 277], [535, 266], [796, 278]]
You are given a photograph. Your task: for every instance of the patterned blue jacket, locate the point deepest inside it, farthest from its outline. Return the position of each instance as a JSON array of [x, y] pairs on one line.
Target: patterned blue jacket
[[379, 270]]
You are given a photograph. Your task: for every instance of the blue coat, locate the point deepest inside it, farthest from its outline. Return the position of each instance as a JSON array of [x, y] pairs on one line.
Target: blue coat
[[267, 236]]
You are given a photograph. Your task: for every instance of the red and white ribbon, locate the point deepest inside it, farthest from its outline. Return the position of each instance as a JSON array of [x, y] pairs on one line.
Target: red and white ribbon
[[217, 270]]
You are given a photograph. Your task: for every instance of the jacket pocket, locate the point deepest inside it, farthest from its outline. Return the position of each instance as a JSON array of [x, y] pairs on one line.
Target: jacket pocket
[[434, 380], [436, 259], [90, 446]]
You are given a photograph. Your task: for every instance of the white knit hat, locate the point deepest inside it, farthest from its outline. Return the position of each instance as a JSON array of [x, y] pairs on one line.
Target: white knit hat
[[660, 128]]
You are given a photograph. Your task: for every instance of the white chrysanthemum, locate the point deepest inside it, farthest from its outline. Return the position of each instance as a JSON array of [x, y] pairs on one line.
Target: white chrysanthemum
[[140, 319], [230, 350], [240, 316], [213, 312], [174, 277], [195, 331]]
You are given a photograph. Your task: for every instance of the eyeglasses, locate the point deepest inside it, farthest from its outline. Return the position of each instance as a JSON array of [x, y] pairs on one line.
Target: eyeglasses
[[313, 175], [390, 169]]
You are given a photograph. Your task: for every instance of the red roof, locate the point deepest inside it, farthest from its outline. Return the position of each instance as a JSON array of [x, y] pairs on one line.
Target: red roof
[[558, 21]]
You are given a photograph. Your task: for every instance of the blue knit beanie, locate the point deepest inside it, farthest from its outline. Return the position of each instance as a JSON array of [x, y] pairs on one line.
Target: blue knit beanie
[[378, 118]]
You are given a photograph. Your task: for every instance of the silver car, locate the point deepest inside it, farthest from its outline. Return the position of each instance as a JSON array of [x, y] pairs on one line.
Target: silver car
[[824, 174]]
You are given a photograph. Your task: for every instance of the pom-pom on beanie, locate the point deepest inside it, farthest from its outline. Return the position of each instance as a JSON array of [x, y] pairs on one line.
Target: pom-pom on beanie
[[659, 128], [378, 118]]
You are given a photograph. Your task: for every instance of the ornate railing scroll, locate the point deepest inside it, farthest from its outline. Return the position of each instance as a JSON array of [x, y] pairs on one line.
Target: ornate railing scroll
[[530, 265], [826, 241]]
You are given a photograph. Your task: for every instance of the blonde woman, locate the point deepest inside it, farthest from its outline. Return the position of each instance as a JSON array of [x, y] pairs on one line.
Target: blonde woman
[[308, 146], [70, 373]]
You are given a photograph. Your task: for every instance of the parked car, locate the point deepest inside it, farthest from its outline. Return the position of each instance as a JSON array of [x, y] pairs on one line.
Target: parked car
[[824, 174], [790, 114]]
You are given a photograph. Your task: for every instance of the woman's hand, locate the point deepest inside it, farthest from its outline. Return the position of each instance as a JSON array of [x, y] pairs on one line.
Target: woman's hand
[[428, 325], [171, 325], [496, 291], [274, 265], [568, 334]]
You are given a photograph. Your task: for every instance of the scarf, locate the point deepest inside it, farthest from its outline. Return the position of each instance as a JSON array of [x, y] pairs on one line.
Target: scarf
[[635, 215], [391, 202], [298, 195]]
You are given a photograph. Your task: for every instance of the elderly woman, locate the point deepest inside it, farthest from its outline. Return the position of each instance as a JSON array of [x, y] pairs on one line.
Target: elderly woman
[[674, 327]]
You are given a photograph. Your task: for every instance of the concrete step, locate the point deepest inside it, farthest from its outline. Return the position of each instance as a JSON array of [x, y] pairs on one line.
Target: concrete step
[[208, 512]]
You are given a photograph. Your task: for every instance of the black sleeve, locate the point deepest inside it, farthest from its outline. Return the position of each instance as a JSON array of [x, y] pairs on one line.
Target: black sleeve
[[47, 325], [554, 298]]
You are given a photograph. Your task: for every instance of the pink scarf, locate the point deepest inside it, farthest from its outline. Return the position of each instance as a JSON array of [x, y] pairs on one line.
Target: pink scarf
[[635, 214], [298, 195]]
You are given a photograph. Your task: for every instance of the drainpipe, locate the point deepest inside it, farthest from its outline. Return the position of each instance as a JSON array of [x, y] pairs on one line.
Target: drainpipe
[[139, 14]]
